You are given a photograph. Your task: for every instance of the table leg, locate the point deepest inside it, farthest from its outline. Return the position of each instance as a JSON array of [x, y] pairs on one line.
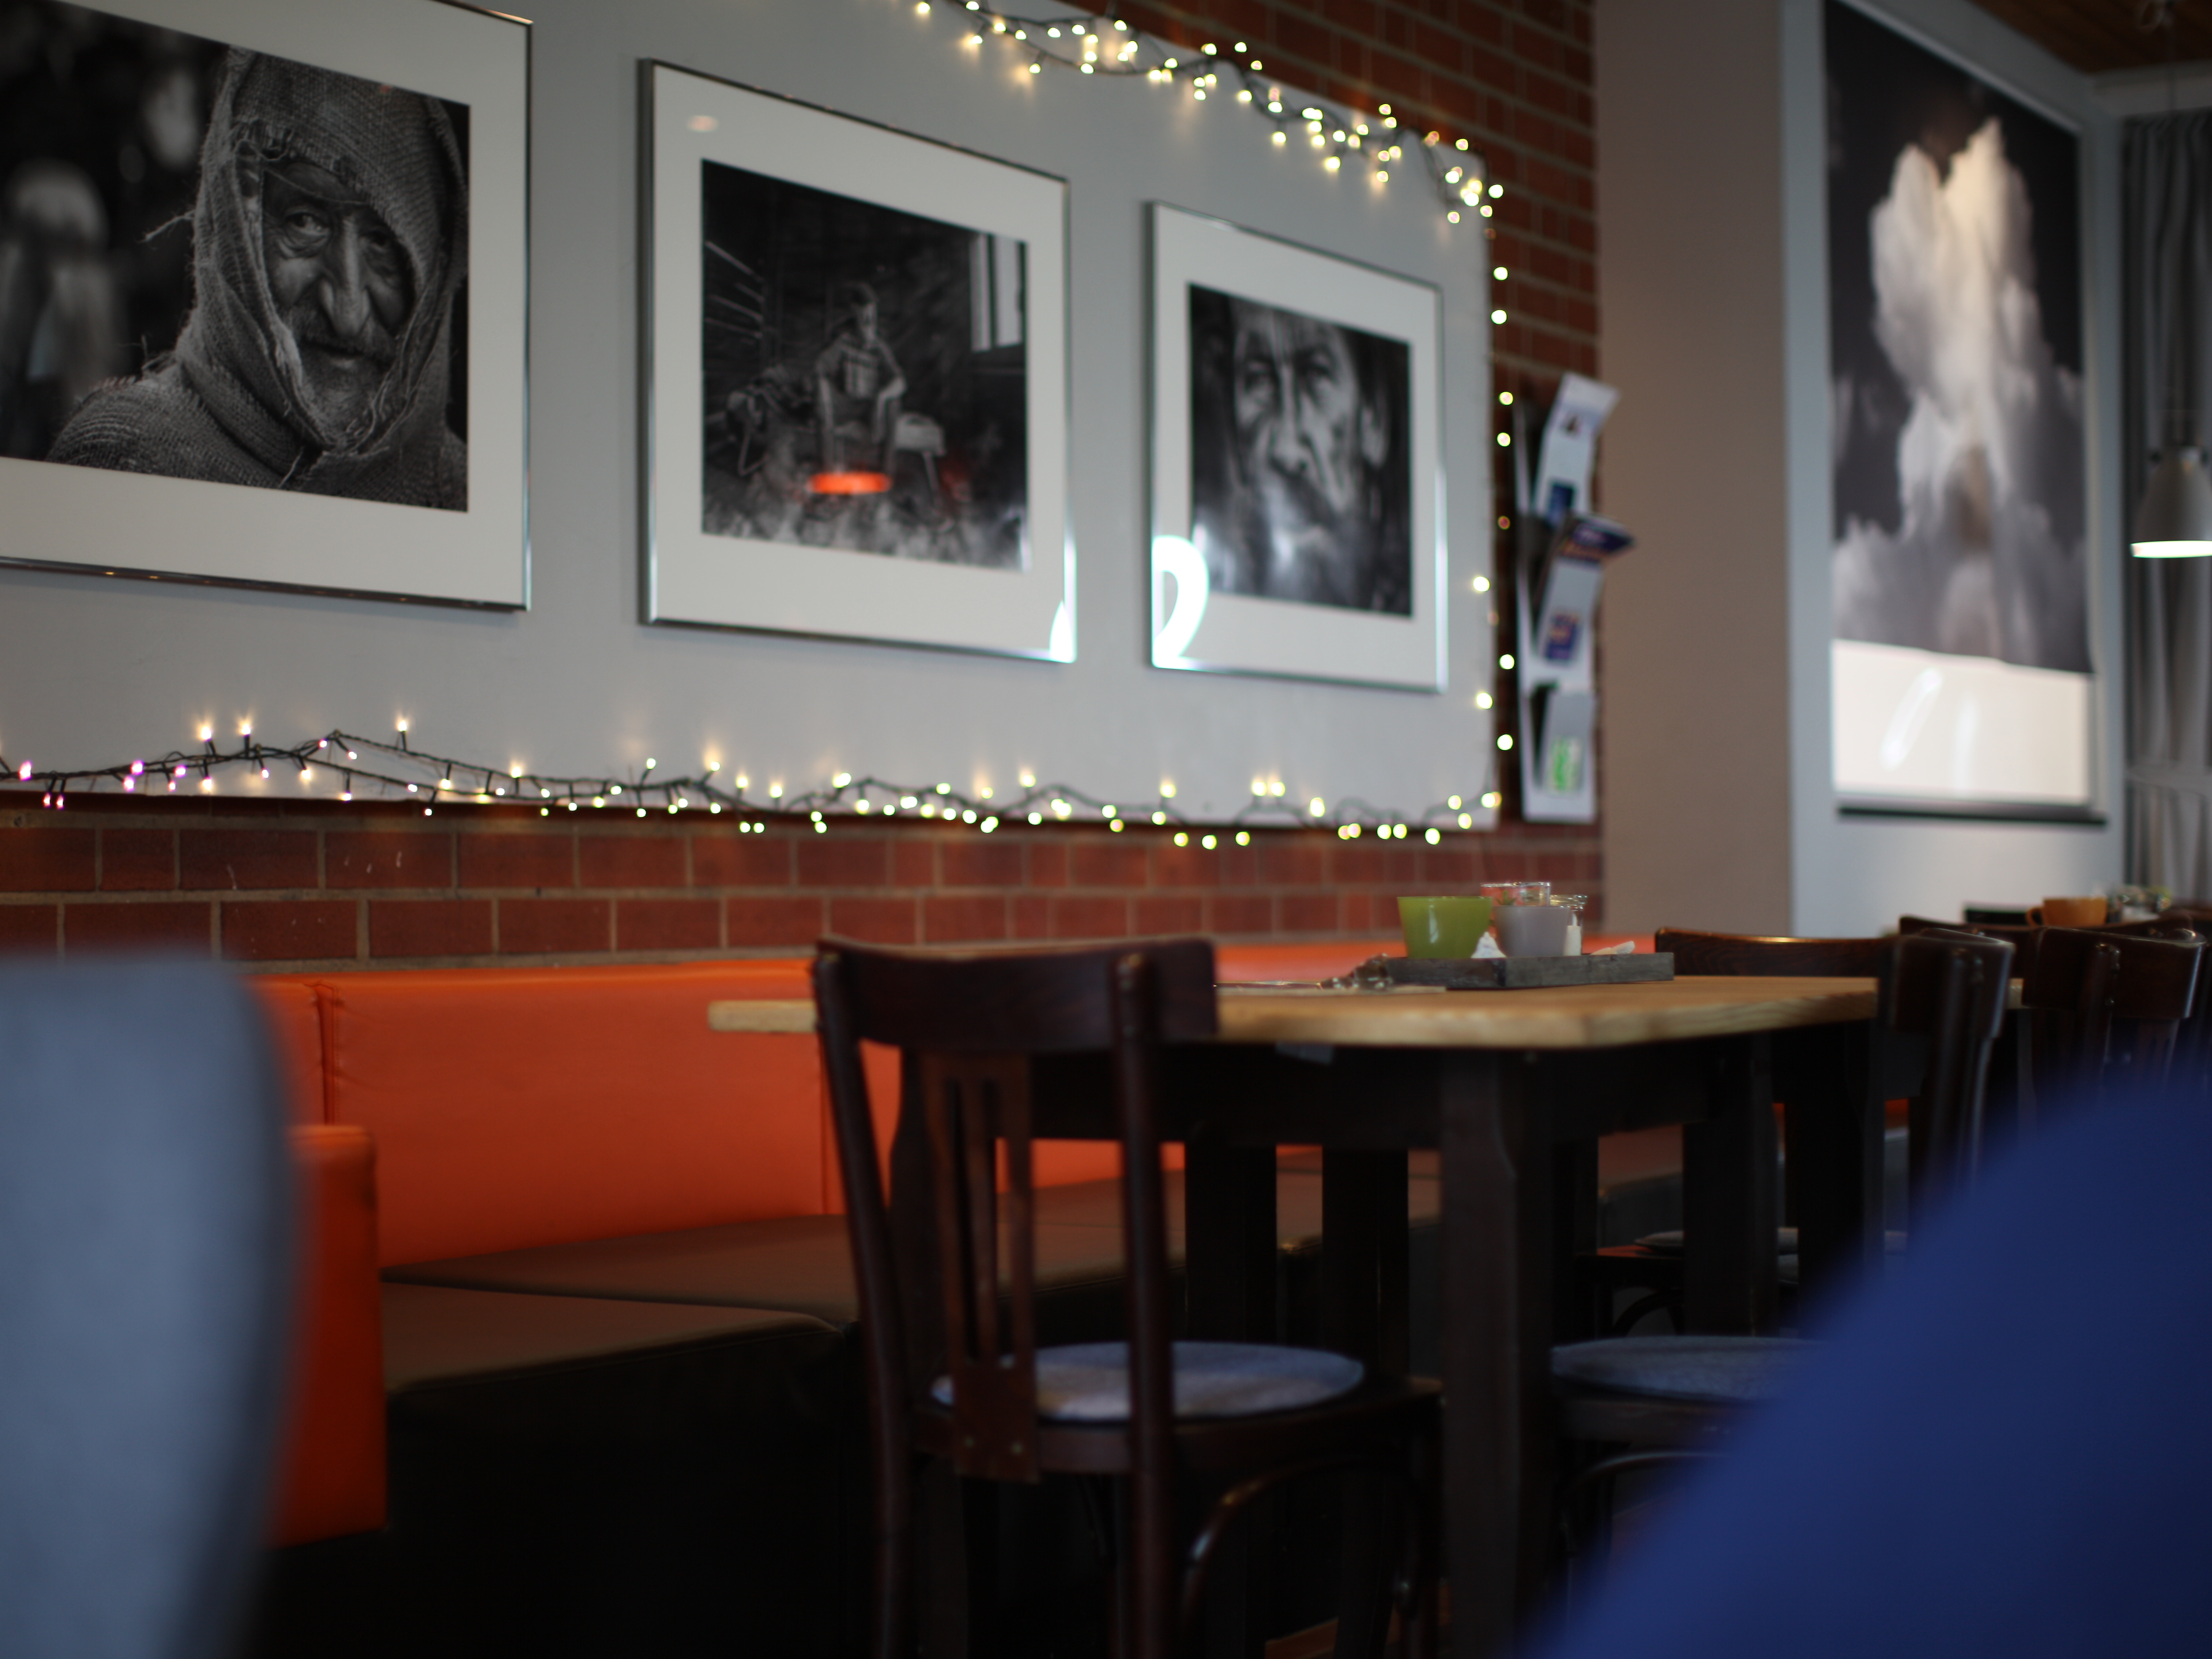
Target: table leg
[[1496, 1348], [1228, 1229], [1833, 1113], [1363, 1313], [1729, 1198], [1577, 1312], [1363, 1298]]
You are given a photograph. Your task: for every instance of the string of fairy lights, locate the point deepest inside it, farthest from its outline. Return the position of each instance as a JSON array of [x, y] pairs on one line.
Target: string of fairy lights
[[1346, 139], [393, 769]]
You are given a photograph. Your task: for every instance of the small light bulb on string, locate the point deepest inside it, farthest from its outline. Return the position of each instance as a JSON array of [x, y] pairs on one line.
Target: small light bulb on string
[[1316, 806], [1244, 837]]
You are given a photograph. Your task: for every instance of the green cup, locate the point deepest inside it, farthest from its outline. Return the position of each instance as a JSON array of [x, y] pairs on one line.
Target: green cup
[[1452, 925]]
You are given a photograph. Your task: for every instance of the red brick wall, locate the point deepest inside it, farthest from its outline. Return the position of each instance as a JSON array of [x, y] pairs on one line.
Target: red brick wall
[[319, 884], [1512, 77]]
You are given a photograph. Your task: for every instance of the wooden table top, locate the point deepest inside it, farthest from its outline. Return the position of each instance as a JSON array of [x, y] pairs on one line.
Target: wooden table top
[[1560, 1017]]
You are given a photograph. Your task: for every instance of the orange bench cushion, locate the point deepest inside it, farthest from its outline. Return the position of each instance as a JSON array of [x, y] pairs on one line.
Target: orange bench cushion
[[519, 1107], [294, 1013], [331, 1476]]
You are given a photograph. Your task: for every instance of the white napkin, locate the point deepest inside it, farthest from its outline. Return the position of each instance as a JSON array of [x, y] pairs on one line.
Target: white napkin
[[1488, 947], [1625, 948]]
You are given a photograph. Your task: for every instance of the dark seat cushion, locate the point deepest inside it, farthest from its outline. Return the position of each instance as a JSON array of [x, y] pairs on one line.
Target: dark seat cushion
[[798, 1264], [579, 1476], [439, 1338], [1714, 1371]]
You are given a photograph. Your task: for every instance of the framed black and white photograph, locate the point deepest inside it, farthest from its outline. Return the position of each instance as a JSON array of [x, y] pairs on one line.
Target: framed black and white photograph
[[858, 406], [1297, 511], [1960, 666], [262, 294]]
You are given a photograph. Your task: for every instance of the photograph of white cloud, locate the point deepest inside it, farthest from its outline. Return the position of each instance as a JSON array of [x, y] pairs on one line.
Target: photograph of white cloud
[[1956, 427]]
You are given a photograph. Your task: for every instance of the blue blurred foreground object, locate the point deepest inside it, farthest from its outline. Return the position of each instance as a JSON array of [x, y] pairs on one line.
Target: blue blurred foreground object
[[145, 1279], [2004, 1450]]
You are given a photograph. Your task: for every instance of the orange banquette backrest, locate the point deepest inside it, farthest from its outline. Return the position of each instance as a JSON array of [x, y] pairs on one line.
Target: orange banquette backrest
[[514, 1107]]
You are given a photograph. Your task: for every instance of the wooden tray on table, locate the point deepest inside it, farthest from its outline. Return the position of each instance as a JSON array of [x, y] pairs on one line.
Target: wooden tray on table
[[1526, 973]]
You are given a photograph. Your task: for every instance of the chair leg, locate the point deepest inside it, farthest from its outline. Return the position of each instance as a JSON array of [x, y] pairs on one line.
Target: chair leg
[[1363, 1605], [1594, 1486], [1418, 1604], [889, 1637]]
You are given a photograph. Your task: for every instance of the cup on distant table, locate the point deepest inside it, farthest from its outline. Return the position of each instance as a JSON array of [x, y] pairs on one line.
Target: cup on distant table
[[2068, 913], [1503, 893], [1449, 925], [1534, 930]]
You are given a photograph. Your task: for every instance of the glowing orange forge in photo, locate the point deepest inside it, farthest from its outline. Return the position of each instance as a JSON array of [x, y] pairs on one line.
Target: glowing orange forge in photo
[[851, 484]]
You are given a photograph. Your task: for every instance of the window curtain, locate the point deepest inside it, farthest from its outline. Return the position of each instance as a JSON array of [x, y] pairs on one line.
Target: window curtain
[[2167, 306]]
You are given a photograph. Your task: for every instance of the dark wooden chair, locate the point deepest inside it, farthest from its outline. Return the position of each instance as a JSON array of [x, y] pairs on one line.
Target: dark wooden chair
[[2107, 1006], [1654, 1264], [947, 1294], [1697, 954], [2085, 1029], [1643, 1402]]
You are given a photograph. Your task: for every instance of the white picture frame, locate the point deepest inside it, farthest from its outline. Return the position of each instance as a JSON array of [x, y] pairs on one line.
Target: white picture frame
[[98, 518], [1198, 621], [772, 560]]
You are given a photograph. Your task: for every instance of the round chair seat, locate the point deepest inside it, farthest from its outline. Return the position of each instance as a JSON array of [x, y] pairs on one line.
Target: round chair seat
[[1717, 1370], [1088, 1382]]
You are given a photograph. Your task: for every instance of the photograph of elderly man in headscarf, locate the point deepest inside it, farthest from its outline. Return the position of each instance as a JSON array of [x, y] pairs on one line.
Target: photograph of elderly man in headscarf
[[320, 345], [1300, 476]]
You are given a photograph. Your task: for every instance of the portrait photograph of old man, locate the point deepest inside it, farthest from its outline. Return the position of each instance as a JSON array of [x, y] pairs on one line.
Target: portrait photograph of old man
[[225, 265], [1300, 475]]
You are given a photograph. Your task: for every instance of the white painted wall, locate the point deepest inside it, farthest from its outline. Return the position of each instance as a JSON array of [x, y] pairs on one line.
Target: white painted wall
[[97, 670], [1694, 652]]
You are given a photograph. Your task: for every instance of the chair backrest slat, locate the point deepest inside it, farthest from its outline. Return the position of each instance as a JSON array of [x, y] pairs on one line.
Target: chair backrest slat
[[1697, 954], [1952, 986], [975, 1104], [1034, 1001]]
